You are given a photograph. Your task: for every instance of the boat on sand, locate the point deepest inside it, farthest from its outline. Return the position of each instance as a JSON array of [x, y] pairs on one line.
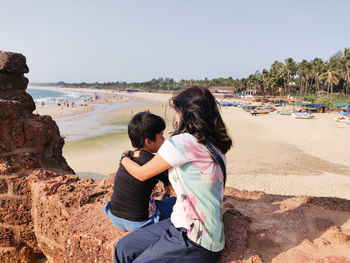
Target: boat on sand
[[300, 115]]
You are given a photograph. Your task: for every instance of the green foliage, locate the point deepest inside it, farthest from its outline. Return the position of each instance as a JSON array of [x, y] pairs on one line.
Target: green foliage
[[304, 78], [325, 101], [309, 98]]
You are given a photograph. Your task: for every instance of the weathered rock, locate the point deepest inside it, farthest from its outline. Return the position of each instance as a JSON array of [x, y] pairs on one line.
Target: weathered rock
[[269, 229], [27, 237], [3, 186], [18, 162], [59, 206], [13, 63], [5, 167], [6, 237], [12, 81], [236, 235], [86, 242], [9, 110], [15, 211], [20, 186], [27, 142], [24, 103]]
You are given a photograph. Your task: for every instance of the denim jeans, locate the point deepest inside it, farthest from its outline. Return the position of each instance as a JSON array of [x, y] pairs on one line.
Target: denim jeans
[[161, 243], [164, 209]]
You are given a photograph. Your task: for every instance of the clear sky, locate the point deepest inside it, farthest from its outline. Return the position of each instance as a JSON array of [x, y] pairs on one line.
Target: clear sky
[[137, 40]]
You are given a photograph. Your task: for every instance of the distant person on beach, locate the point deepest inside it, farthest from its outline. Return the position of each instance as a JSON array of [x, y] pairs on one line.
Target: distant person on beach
[[195, 157], [132, 205]]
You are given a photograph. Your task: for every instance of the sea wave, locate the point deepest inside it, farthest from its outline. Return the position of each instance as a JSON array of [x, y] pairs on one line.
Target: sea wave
[[52, 96]]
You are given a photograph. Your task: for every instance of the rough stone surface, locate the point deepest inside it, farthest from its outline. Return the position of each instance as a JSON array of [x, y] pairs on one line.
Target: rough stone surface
[[236, 235], [266, 229], [14, 81], [13, 63], [3, 186], [47, 214], [18, 162], [24, 103], [85, 242], [27, 142], [6, 237], [20, 254], [15, 211], [27, 237], [20, 186], [9, 109]]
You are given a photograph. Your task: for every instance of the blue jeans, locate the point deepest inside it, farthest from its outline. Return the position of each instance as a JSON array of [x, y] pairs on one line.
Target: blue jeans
[[164, 210], [161, 243]]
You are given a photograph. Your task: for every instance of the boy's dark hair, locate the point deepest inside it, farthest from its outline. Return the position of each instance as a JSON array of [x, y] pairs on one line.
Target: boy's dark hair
[[144, 125]]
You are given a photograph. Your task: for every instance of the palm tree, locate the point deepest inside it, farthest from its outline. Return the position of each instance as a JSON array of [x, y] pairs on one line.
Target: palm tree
[[304, 72], [265, 77], [317, 68], [301, 74], [346, 66], [291, 68], [330, 78]]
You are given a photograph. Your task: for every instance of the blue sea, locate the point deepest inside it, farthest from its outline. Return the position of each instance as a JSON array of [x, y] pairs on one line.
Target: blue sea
[[52, 96]]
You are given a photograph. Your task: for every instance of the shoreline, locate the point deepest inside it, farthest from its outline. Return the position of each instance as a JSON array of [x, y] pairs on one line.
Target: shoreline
[[61, 111], [271, 153]]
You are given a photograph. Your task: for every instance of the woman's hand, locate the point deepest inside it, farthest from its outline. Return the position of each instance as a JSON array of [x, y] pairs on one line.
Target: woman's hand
[[155, 166], [124, 154]]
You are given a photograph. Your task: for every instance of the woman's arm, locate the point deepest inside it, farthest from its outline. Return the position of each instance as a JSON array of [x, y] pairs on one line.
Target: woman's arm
[[155, 166]]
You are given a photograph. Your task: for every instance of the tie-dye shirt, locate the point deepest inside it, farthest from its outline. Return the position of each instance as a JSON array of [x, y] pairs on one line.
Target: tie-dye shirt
[[198, 183]]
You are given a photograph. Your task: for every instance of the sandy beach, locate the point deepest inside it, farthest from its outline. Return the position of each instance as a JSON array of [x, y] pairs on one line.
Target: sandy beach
[[62, 111], [272, 153]]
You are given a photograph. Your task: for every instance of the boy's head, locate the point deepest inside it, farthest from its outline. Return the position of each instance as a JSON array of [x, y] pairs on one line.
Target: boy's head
[[146, 131]]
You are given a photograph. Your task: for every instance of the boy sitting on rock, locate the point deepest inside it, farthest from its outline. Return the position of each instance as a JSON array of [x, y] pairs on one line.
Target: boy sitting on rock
[[132, 205]]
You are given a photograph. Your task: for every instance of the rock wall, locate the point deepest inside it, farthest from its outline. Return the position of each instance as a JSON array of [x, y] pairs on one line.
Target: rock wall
[[48, 215], [27, 142]]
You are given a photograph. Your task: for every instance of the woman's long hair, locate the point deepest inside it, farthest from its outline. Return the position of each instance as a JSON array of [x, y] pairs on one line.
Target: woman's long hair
[[200, 117]]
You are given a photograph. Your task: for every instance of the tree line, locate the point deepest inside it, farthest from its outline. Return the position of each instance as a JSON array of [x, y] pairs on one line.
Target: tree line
[[305, 77]]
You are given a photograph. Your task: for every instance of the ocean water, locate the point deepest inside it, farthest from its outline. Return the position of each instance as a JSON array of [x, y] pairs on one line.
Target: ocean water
[[86, 125], [51, 96]]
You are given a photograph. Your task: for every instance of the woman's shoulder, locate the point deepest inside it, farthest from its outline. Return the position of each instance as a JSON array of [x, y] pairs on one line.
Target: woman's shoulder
[[186, 141], [183, 137]]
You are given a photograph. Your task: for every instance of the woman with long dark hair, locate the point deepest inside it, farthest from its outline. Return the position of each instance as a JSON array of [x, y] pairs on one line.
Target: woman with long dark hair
[[195, 157]]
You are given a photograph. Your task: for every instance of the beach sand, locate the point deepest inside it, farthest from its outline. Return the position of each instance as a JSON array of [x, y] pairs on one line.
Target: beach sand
[[62, 111], [106, 96], [281, 155], [272, 153]]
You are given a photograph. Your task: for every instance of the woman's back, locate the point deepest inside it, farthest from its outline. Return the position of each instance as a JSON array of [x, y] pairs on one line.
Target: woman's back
[[198, 183]]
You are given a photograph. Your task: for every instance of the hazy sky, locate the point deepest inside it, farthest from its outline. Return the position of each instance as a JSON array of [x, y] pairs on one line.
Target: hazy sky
[[137, 40]]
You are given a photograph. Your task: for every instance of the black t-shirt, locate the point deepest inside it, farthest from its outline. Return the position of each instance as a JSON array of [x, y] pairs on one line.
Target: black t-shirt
[[130, 196]]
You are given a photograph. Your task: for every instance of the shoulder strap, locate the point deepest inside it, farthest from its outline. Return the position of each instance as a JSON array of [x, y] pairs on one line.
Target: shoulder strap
[[217, 159]]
